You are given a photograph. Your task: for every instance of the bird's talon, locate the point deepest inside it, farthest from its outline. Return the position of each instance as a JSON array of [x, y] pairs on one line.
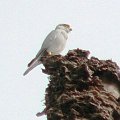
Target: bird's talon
[[49, 53]]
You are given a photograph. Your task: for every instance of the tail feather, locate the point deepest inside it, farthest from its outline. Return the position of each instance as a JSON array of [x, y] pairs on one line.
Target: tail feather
[[33, 65], [31, 62]]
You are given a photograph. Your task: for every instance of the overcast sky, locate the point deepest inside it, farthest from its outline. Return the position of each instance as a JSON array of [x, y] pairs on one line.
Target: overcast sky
[[23, 26]]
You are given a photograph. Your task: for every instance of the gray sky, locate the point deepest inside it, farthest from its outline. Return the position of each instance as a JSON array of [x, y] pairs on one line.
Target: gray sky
[[23, 26]]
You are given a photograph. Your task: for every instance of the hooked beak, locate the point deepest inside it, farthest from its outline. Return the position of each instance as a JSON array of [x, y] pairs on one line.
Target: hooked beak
[[70, 29]]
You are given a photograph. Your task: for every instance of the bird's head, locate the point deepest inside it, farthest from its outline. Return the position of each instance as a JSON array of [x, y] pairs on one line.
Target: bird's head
[[65, 27]]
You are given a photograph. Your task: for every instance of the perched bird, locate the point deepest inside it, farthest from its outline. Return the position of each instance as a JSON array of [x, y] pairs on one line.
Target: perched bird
[[53, 44]]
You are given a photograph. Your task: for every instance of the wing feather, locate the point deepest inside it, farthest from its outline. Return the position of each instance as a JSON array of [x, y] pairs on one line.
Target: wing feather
[[47, 42]]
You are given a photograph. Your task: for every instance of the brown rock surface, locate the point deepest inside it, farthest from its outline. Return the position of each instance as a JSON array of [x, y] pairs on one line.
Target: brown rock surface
[[81, 88]]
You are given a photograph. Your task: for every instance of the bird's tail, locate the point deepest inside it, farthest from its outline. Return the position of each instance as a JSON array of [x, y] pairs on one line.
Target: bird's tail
[[32, 65]]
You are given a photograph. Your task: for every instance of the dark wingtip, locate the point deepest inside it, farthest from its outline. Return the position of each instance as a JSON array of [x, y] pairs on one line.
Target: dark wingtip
[[29, 64]]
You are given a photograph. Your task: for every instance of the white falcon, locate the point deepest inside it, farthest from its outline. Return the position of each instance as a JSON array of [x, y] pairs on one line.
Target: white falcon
[[53, 44]]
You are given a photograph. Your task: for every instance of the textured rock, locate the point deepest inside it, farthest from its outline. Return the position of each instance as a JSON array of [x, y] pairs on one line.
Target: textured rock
[[81, 88]]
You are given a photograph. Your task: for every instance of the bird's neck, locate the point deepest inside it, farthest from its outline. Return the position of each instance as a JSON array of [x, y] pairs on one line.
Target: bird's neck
[[63, 32]]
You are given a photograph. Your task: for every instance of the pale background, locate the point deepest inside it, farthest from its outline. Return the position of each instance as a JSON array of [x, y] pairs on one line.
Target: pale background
[[23, 26]]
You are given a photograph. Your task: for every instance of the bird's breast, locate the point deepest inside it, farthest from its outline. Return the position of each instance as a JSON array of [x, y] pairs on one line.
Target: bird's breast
[[59, 43], [64, 34]]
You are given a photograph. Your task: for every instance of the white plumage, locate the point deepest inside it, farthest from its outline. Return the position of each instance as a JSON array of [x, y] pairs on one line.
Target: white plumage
[[53, 44]]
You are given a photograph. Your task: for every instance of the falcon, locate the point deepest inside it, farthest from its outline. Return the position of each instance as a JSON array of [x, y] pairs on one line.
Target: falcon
[[53, 44]]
